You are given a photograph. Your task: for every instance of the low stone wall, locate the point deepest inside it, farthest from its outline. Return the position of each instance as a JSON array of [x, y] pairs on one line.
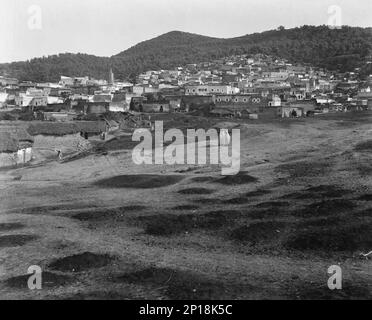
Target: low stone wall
[[67, 144], [23, 156]]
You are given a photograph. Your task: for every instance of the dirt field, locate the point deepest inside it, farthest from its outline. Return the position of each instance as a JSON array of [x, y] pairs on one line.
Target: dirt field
[[102, 227]]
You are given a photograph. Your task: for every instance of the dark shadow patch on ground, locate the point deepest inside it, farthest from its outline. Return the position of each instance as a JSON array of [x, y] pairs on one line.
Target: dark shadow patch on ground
[[140, 181], [257, 193], [115, 214], [237, 200], [365, 197], [257, 232], [196, 191], [364, 169], [322, 222], [208, 201], [316, 192], [227, 215], [50, 209], [240, 178], [11, 226], [181, 285], [16, 240], [49, 280], [186, 207], [364, 146], [364, 213], [167, 224], [202, 179], [275, 212], [246, 198], [302, 169], [170, 224], [190, 169], [81, 262], [273, 204], [300, 195], [326, 208], [330, 238], [330, 191]]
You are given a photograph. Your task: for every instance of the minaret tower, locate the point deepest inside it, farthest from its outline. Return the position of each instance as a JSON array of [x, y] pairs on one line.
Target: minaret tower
[[111, 77]]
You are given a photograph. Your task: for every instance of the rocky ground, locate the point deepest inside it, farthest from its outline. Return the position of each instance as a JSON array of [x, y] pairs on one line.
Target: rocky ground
[[102, 227]]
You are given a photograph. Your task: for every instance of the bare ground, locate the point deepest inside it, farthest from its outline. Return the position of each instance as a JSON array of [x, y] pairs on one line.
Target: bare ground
[[104, 228]]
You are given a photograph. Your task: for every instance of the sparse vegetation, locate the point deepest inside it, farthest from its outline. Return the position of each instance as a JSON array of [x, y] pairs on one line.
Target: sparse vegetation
[[141, 181], [196, 191], [16, 240], [240, 178], [258, 232], [180, 285], [331, 238], [364, 146], [81, 262]]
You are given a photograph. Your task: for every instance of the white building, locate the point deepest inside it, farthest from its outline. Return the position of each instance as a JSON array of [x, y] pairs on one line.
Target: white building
[[209, 89]]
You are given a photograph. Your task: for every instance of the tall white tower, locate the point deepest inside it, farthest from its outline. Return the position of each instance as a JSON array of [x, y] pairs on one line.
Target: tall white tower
[[111, 77]]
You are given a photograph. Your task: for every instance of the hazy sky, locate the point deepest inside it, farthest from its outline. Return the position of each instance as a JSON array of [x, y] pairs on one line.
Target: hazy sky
[[107, 27]]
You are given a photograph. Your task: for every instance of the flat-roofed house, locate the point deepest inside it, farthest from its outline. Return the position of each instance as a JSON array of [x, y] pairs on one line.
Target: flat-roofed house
[[3, 99], [15, 147], [119, 103], [253, 103], [208, 89]]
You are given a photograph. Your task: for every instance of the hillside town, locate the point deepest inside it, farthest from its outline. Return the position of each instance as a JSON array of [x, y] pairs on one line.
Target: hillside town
[[237, 87], [186, 155]]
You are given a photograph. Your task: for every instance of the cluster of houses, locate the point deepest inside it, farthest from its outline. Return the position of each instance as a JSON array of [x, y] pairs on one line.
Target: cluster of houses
[[44, 140], [252, 87], [15, 146], [237, 86]]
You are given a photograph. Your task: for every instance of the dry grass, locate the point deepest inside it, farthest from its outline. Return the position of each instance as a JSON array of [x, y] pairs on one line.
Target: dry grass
[[189, 191], [16, 240], [333, 237], [81, 262], [11, 226], [304, 169], [181, 285], [258, 232], [49, 280], [141, 181], [241, 178], [364, 146], [326, 208], [116, 214]]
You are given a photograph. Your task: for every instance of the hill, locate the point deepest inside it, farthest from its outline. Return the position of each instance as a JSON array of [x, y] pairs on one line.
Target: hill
[[342, 49]]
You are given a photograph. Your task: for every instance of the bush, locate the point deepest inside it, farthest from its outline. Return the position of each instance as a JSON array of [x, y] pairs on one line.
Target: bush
[[7, 116]]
